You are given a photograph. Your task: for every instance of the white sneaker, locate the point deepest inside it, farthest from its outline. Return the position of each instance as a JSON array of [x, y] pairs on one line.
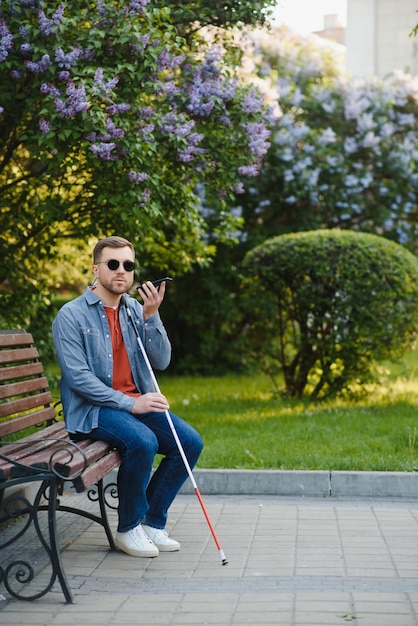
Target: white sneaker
[[161, 539], [136, 543]]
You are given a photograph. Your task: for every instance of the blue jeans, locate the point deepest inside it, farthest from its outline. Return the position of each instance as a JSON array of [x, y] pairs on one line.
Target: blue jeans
[[139, 438]]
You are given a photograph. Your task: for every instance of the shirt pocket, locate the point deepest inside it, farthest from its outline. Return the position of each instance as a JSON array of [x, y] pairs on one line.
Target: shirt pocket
[[94, 346]]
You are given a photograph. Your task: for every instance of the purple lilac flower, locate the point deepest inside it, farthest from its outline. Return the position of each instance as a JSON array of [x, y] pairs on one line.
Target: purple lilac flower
[[38, 67], [50, 26], [169, 62], [26, 48], [87, 54], [115, 109], [137, 177], [48, 89], [143, 42], [44, 126], [77, 96], [188, 154], [144, 39], [138, 6], [148, 129], [146, 112], [75, 102], [115, 133], [6, 41], [104, 150], [64, 76], [1, 110], [66, 60], [238, 188], [145, 196], [253, 102], [225, 119], [248, 170], [195, 138], [16, 74], [101, 7], [163, 59], [257, 136], [168, 88], [176, 124], [104, 88], [204, 92], [210, 67]]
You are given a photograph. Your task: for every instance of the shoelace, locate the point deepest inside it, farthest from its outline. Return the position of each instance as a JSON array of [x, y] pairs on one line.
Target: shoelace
[[143, 534]]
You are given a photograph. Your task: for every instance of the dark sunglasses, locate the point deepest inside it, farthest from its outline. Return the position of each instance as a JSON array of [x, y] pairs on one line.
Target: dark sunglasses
[[113, 264]]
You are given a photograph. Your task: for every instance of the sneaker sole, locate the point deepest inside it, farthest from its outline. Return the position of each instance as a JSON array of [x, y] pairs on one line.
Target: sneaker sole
[[165, 548], [140, 553]]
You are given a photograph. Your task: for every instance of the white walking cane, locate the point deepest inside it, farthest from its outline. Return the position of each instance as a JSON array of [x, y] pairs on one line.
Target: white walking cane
[[176, 437]]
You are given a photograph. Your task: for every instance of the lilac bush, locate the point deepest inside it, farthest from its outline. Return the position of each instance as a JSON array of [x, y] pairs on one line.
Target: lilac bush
[[344, 152], [109, 119]]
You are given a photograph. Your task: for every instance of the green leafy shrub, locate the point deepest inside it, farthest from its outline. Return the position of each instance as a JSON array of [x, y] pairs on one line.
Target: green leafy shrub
[[328, 305]]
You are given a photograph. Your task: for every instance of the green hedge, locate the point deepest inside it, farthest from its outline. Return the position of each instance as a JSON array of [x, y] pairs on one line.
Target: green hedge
[[329, 305]]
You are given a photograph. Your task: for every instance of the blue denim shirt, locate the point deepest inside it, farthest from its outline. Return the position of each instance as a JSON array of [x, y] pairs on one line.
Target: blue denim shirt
[[83, 345]]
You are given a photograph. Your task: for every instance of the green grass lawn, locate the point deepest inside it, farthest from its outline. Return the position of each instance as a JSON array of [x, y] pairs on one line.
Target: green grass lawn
[[244, 425]]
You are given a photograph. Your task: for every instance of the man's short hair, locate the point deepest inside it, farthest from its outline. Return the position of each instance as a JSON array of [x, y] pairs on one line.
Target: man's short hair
[[110, 242]]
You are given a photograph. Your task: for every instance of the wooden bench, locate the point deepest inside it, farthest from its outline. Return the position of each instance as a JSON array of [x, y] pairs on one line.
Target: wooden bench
[[44, 459]]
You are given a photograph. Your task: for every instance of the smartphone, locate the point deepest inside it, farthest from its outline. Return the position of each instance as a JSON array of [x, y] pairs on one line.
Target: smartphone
[[161, 280], [158, 281]]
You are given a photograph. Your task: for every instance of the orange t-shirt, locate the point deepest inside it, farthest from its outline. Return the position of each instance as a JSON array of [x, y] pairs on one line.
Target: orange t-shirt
[[122, 374]]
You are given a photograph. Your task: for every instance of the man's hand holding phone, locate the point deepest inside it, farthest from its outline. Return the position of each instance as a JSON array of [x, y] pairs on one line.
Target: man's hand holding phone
[[152, 293]]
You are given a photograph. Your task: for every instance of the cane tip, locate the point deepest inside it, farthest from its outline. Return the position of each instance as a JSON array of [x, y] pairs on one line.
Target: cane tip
[[224, 561]]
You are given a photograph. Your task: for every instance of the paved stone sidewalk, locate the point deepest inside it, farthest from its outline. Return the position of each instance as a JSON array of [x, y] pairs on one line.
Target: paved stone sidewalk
[[292, 561]]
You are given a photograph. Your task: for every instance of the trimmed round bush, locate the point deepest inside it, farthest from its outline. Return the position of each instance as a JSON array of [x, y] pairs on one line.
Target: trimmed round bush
[[328, 305]]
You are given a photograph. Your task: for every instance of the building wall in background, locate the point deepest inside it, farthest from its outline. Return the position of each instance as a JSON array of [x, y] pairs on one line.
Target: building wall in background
[[378, 37]]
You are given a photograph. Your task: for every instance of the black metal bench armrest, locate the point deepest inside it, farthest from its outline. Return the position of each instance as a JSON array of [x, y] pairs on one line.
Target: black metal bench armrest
[[62, 457]]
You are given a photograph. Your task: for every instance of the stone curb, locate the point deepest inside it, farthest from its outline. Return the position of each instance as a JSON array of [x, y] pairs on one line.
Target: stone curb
[[303, 483]]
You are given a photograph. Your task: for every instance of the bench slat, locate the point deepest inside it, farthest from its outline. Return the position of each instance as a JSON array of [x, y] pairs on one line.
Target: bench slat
[[58, 454], [20, 371], [22, 387], [17, 355], [93, 450], [33, 443], [25, 404], [15, 338], [55, 430], [17, 424], [94, 472]]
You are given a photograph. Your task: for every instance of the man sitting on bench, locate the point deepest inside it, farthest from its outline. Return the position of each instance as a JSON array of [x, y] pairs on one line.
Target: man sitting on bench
[[108, 394]]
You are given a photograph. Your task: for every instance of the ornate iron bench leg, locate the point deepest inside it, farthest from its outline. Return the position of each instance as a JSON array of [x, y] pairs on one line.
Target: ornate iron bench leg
[[20, 572], [103, 504], [55, 555], [100, 494]]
